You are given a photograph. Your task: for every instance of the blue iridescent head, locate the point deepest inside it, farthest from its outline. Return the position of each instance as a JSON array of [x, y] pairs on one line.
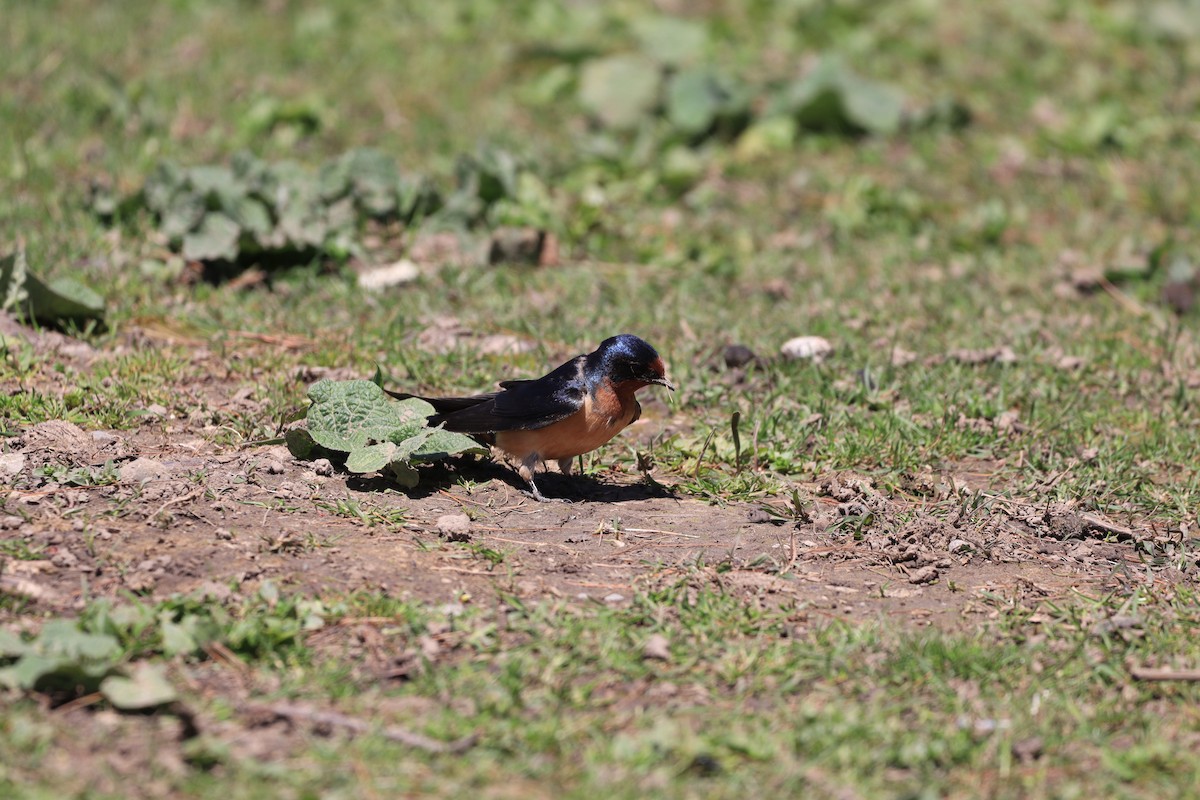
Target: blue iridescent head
[[628, 358]]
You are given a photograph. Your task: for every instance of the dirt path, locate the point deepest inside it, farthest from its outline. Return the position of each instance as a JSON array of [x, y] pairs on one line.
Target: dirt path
[[185, 515]]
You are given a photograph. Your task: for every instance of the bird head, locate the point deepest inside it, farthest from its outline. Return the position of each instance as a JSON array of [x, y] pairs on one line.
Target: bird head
[[627, 358]]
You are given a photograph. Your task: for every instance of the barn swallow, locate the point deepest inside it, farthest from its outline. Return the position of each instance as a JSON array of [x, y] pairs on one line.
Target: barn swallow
[[566, 413]]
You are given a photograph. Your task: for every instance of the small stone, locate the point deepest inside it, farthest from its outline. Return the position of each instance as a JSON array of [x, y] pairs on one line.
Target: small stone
[[273, 467], [455, 527], [156, 410], [322, 467], [11, 464], [64, 560], [959, 546], [1028, 750], [224, 534], [614, 598], [738, 355], [657, 648], [10, 522], [927, 574], [104, 438], [141, 470], [814, 348]]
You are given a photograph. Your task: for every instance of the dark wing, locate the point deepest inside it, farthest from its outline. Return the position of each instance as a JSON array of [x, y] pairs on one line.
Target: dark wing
[[522, 405]]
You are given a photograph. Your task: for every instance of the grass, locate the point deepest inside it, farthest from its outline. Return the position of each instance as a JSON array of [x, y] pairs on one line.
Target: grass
[[1037, 704], [1081, 154]]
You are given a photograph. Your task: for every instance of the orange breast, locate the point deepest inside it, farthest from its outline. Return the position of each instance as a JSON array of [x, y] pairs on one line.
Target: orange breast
[[601, 418]]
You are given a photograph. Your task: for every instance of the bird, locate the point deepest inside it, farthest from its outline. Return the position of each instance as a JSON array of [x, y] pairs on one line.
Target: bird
[[571, 410]]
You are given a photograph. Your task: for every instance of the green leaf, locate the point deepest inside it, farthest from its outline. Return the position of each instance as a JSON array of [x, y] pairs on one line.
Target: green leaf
[[11, 644], [62, 637], [299, 443], [693, 100], [442, 443], [63, 299], [621, 90], [347, 415], [177, 639], [831, 98], [372, 458], [216, 239], [146, 687], [404, 474], [59, 301], [30, 670], [671, 40]]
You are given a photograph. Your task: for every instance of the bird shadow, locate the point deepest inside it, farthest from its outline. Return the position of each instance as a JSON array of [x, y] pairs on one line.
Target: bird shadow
[[555, 486]]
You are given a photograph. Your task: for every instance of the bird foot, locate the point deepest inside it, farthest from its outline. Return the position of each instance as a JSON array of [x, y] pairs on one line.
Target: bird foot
[[536, 494]]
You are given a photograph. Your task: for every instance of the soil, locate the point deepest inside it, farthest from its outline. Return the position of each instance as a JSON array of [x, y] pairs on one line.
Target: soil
[[187, 515]]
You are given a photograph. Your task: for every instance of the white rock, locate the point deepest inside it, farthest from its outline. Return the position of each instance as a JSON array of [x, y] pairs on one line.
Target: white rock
[[141, 470], [380, 278], [11, 464], [810, 347]]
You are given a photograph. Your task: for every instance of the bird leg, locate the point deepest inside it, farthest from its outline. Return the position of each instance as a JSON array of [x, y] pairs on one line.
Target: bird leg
[[564, 465], [526, 471]]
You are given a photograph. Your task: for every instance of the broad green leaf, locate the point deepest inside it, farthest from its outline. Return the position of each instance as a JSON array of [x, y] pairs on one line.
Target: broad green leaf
[[11, 644], [621, 90], [441, 443], [299, 443], [177, 639], [872, 106], [347, 415], [63, 299], [145, 687], [212, 181], [371, 458], [62, 637], [693, 100], [30, 669], [59, 301], [832, 98], [404, 474], [671, 40], [215, 239]]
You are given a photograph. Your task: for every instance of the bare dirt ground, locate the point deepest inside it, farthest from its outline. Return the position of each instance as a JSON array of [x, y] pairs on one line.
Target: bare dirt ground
[[187, 515]]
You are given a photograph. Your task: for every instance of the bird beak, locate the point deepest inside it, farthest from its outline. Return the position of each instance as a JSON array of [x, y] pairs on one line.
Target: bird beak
[[664, 381]]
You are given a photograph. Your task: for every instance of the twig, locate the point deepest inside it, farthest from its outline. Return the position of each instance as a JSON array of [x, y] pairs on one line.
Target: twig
[[656, 530], [1104, 525], [394, 733], [1164, 674], [23, 587], [192, 495]]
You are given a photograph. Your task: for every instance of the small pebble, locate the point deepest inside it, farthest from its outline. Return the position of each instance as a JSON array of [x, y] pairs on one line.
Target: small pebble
[[657, 648], [927, 574], [455, 527], [322, 467], [614, 598], [738, 355]]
